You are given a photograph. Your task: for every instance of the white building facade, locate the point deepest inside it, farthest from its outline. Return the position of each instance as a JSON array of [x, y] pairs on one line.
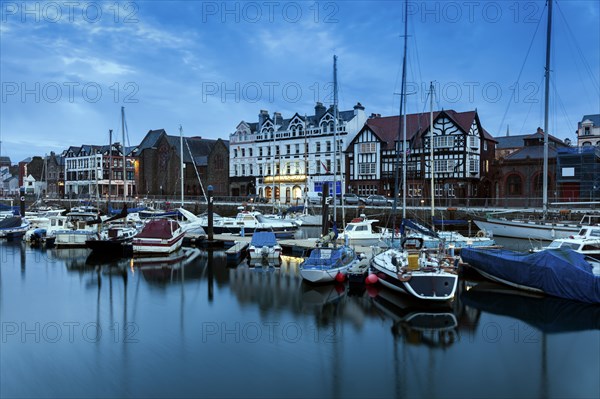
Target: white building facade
[[281, 159], [588, 131], [88, 172]]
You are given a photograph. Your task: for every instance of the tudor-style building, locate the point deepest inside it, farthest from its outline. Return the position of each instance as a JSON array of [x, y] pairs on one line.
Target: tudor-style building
[[281, 159], [159, 159], [462, 155]]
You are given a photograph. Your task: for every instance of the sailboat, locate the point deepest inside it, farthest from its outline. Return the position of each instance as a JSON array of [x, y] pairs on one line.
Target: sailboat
[[534, 227], [412, 270], [329, 259]]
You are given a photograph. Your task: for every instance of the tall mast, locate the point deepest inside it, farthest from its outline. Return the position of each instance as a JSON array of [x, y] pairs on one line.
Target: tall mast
[[402, 112], [403, 108], [181, 158], [546, 103], [273, 170], [431, 152], [305, 158], [335, 116], [124, 158], [109, 166]]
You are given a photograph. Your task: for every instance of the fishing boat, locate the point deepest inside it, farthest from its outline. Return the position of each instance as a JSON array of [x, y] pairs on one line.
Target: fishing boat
[[158, 236], [264, 245], [326, 260], [559, 272], [586, 242]]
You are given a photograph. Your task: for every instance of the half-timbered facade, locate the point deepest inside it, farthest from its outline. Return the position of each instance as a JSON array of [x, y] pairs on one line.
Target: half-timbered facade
[[460, 157], [280, 159]]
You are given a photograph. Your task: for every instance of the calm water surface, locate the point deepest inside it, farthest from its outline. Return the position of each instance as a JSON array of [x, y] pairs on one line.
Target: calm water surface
[[72, 328]]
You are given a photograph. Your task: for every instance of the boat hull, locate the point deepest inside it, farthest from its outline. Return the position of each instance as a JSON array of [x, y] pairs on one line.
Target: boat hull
[[562, 273], [526, 230], [428, 283], [157, 245], [72, 238]]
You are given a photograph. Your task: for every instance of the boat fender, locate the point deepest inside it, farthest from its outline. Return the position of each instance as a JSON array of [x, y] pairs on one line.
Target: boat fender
[[404, 277], [480, 234]]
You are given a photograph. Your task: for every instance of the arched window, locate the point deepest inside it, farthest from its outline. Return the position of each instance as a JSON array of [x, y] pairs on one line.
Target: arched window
[[514, 185]]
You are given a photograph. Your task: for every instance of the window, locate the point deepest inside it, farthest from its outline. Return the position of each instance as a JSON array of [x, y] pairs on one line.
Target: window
[[473, 141], [514, 185], [473, 164], [297, 148], [444, 165], [367, 148], [328, 144], [318, 146], [443, 141], [288, 149], [367, 169]]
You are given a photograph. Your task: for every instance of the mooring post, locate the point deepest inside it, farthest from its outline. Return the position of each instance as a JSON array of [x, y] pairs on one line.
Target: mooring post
[[210, 213]]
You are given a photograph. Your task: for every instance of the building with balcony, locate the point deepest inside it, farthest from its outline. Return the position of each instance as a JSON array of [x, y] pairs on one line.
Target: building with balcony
[[588, 131], [462, 155], [280, 159]]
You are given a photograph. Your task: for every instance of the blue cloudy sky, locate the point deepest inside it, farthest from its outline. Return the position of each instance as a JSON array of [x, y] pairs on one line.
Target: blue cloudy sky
[[67, 67]]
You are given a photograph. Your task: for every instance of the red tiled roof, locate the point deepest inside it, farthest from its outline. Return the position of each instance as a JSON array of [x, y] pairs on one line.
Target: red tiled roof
[[386, 128]]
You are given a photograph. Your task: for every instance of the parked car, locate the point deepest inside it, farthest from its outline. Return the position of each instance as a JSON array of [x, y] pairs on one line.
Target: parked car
[[350, 199], [376, 200]]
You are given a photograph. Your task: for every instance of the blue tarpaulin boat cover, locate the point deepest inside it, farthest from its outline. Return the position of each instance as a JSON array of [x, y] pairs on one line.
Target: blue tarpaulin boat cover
[[562, 272], [264, 239]]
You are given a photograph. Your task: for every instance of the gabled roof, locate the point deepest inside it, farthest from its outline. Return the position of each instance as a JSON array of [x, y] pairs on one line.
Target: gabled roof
[[387, 128], [343, 116], [199, 147], [150, 139]]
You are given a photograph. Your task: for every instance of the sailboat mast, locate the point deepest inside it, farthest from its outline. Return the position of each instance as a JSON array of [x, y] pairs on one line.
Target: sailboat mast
[[335, 144], [124, 158], [109, 167], [181, 159], [431, 152], [403, 108], [546, 103]]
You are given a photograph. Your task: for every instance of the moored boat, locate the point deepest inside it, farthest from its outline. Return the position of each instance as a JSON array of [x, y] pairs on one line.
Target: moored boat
[[586, 242], [13, 226], [559, 272], [264, 246], [325, 263], [159, 236]]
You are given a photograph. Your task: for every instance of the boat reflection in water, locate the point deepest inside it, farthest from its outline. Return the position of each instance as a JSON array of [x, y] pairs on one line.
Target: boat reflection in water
[[420, 323], [548, 314]]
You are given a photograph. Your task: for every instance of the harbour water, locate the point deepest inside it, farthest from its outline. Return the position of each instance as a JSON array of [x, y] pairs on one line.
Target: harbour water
[[72, 327]]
